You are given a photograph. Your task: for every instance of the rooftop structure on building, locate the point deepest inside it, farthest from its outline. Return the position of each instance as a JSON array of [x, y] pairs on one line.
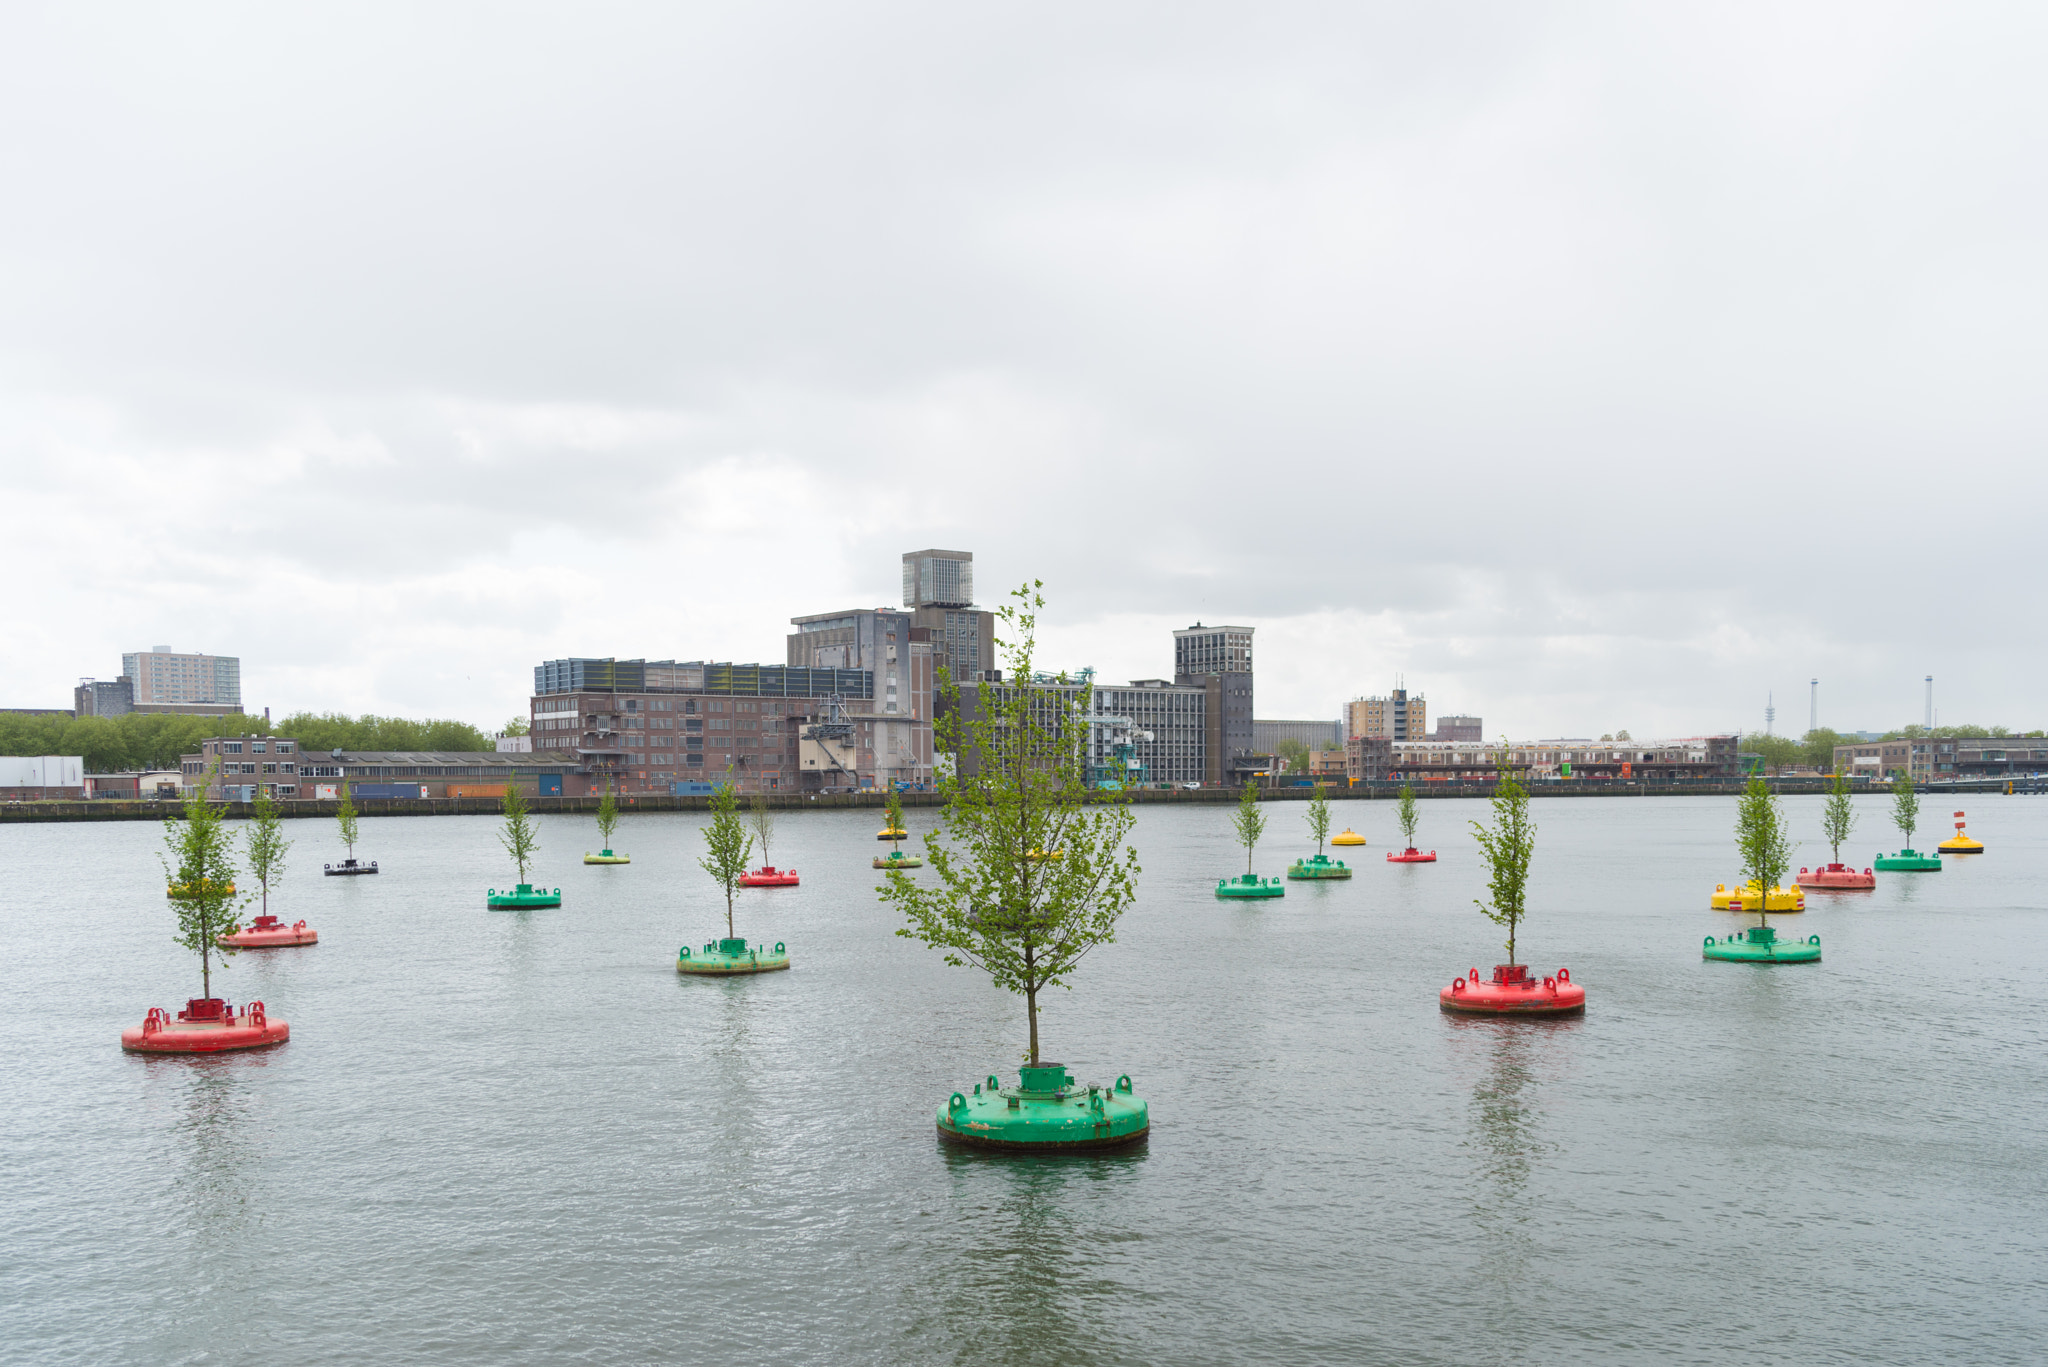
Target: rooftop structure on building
[[938, 579]]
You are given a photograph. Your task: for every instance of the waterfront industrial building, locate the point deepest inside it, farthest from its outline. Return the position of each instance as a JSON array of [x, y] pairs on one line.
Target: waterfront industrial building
[[650, 725], [1694, 758]]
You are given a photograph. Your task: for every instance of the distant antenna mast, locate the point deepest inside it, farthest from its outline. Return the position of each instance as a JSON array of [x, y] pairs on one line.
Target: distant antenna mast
[[1930, 702], [1770, 713], [1813, 707]]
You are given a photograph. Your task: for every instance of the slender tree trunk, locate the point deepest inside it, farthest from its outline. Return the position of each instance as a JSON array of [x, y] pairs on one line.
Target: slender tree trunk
[[1031, 999], [205, 969], [1511, 944], [728, 911]]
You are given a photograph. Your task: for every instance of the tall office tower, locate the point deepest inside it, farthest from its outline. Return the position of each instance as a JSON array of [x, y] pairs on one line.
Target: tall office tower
[[938, 588], [162, 675], [1220, 659]]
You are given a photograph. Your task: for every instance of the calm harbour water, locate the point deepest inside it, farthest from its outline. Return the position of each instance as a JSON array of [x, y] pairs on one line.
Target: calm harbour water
[[523, 1138]]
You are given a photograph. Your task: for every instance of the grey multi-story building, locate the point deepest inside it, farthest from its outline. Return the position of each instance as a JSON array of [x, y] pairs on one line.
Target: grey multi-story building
[[1458, 730], [645, 725], [1167, 731], [163, 675], [1219, 659], [938, 589], [103, 697]]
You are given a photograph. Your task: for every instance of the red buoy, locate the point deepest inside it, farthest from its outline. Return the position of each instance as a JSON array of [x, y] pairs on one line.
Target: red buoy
[[1837, 876], [207, 1025], [267, 932], [1514, 993], [1411, 855], [768, 876]]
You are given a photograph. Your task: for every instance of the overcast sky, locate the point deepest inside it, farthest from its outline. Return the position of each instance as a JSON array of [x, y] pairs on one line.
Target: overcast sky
[[1590, 366]]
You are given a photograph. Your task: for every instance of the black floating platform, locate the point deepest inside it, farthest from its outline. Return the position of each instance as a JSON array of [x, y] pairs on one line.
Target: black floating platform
[[348, 868]]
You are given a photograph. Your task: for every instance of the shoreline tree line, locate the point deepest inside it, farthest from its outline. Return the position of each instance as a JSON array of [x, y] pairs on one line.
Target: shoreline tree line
[[153, 740]]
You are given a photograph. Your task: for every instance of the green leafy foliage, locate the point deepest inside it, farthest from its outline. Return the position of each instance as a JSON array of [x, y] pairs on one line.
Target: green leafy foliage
[[1838, 817], [1407, 813], [1248, 822], [1508, 846], [345, 816], [1905, 806], [1318, 817], [199, 864], [607, 814], [1293, 755], [893, 804], [1765, 847], [726, 845], [519, 838], [1029, 872], [762, 819], [267, 844], [150, 740], [339, 731]]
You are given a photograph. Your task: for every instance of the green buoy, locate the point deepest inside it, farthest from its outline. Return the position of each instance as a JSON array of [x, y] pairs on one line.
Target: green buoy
[[1250, 885], [1046, 1112], [1908, 861], [1761, 945], [1318, 866], [897, 859], [524, 896], [731, 957]]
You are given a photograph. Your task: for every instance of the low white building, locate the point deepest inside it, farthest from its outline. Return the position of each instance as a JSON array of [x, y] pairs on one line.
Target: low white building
[[28, 778]]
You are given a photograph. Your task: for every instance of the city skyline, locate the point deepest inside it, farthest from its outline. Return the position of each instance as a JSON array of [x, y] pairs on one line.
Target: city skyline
[[1573, 364]]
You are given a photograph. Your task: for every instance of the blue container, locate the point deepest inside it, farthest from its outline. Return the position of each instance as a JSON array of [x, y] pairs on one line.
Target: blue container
[[693, 789], [384, 789]]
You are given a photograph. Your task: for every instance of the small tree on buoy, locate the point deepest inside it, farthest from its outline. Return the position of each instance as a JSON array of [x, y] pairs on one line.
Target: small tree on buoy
[[1248, 822], [267, 844], [519, 838], [1838, 817], [1318, 818], [727, 845], [762, 819], [1905, 805], [1760, 836], [998, 903], [346, 815], [607, 815], [1407, 814], [1507, 846], [893, 805], [199, 861]]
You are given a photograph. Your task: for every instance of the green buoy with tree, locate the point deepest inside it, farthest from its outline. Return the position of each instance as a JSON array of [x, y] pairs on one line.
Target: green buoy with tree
[[998, 903], [1248, 824], [1766, 852], [726, 847], [1318, 865], [896, 858], [522, 842], [1906, 816], [607, 822]]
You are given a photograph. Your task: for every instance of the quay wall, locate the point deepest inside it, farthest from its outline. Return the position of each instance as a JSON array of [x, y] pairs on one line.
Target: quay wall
[[107, 809]]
